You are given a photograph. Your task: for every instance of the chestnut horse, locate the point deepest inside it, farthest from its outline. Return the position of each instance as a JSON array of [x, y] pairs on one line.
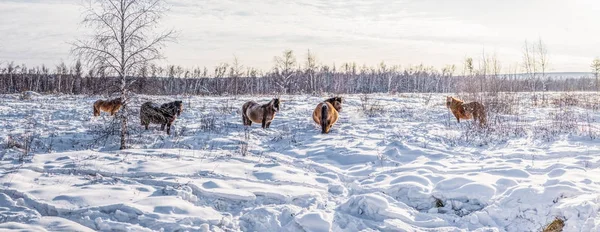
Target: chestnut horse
[[326, 113], [471, 110], [111, 106], [264, 114]]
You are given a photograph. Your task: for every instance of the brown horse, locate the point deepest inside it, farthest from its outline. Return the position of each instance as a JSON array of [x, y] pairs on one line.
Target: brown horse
[[326, 113], [264, 114], [111, 106], [466, 111]]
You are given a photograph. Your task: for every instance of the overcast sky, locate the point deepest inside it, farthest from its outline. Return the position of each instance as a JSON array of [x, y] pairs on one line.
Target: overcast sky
[[403, 32]]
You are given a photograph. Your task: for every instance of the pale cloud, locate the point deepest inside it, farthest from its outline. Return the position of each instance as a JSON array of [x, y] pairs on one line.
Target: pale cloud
[[405, 32]]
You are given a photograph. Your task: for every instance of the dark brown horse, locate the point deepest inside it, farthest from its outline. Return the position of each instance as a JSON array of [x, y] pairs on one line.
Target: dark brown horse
[[164, 115], [326, 113], [264, 114], [174, 108], [111, 106]]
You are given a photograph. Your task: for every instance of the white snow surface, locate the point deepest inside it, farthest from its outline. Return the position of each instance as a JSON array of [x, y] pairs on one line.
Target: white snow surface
[[385, 171]]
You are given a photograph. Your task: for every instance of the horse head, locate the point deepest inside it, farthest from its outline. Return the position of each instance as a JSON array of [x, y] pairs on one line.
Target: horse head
[[336, 102], [179, 107], [274, 105]]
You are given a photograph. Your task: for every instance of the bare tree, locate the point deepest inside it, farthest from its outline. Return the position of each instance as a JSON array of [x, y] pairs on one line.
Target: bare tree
[[284, 69], [529, 64], [77, 74], [468, 73], [596, 71], [484, 68], [496, 68], [124, 40], [311, 68], [235, 72], [542, 56]]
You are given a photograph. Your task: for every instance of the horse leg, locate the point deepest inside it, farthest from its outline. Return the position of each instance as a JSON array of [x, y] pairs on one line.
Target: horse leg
[[481, 119], [169, 129], [146, 125], [245, 119], [268, 124], [96, 111], [162, 127], [264, 121]]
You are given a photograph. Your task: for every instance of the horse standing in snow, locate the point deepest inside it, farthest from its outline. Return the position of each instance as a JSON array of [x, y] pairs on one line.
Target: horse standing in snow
[[110, 106], [164, 115], [264, 114], [466, 111], [326, 113]]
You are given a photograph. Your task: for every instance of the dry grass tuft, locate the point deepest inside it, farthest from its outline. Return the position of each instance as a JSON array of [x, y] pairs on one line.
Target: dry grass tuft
[[555, 226]]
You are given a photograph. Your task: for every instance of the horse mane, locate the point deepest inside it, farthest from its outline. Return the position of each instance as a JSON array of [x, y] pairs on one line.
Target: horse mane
[[274, 102], [174, 108], [115, 101], [334, 99], [336, 102], [456, 100]]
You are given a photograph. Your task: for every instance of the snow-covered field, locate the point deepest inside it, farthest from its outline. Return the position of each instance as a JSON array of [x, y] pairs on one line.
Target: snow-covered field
[[405, 166]]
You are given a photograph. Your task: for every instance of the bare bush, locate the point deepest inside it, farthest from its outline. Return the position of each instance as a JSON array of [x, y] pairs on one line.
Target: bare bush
[[208, 123], [501, 103], [226, 107], [565, 99], [589, 128], [24, 143], [556, 225], [371, 108], [244, 145]]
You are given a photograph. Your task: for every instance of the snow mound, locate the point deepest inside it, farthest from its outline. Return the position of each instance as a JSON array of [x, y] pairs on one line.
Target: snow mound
[[314, 222]]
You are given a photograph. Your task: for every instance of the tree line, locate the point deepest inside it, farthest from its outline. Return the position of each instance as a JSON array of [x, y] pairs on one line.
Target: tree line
[[286, 77]]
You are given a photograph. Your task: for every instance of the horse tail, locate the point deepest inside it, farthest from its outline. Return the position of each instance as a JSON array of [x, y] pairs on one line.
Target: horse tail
[[324, 117], [96, 110], [244, 116]]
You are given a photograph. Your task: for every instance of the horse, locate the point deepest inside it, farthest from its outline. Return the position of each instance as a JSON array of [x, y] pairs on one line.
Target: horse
[[155, 114], [466, 111], [174, 108], [327, 113], [264, 114], [111, 106]]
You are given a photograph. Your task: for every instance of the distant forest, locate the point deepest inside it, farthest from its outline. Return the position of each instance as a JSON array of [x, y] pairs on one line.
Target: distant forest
[[288, 76]]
